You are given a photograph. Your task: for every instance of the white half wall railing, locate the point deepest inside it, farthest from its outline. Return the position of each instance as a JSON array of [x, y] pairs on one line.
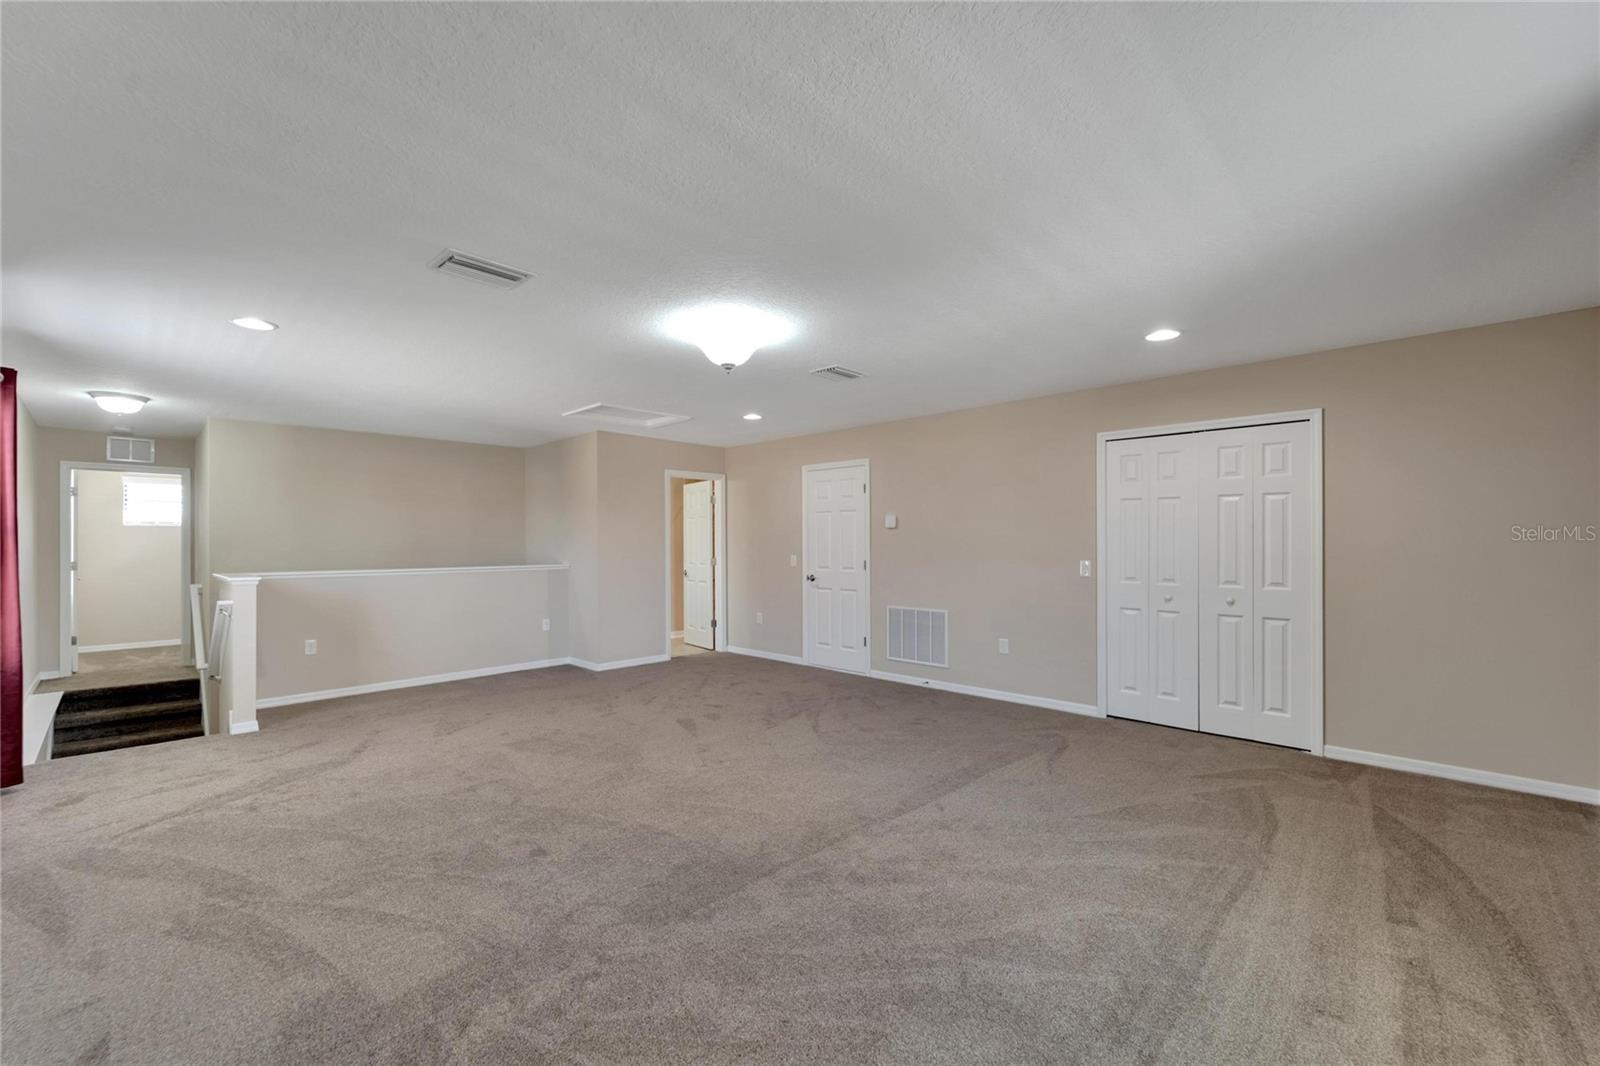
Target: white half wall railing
[[301, 636]]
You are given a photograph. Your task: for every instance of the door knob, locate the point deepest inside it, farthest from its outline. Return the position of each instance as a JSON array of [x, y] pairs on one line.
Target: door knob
[[686, 571], [1168, 597], [1228, 601], [811, 577]]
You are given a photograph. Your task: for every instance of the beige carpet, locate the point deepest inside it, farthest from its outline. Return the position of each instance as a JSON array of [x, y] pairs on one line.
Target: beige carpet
[[722, 859], [135, 666]]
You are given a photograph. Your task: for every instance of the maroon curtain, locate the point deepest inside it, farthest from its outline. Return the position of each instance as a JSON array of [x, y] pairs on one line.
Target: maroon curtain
[[10, 595]]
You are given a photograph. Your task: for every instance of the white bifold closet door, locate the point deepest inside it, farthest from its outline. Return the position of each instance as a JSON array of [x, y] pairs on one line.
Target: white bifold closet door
[[1208, 581]]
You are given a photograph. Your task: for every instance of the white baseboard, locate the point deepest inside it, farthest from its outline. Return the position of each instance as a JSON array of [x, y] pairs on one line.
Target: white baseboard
[[1046, 702], [619, 664], [1531, 785], [408, 682], [131, 646], [677, 634], [238, 728], [44, 675], [775, 656]]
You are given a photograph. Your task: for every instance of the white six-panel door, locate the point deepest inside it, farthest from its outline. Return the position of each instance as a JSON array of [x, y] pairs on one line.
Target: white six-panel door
[[1150, 580], [835, 566], [698, 564], [1256, 666], [1208, 577]]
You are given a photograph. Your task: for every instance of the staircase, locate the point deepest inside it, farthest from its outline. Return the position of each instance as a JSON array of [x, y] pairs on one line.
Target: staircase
[[126, 716]]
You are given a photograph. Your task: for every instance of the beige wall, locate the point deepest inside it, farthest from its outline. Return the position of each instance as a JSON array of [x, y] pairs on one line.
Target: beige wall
[[562, 485], [374, 629], [27, 552], [1445, 639], [295, 498], [51, 447], [129, 577], [633, 537], [598, 501]]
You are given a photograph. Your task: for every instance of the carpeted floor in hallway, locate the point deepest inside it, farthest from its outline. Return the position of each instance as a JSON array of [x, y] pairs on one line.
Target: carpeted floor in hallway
[[721, 859]]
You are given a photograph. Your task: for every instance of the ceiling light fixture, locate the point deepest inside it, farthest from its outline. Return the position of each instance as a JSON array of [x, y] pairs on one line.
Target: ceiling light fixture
[[728, 333], [119, 403], [252, 322], [752, 417], [1163, 335]]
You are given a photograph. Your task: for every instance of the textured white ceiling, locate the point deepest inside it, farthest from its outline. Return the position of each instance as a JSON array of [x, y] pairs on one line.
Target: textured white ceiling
[[972, 204]]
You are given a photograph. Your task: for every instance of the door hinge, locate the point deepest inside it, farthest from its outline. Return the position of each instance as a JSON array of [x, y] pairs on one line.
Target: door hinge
[[74, 640], [713, 623], [863, 642], [73, 491], [72, 567], [863, 566]]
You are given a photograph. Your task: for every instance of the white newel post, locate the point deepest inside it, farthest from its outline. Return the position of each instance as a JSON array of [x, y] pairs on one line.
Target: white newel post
[[238, 690]]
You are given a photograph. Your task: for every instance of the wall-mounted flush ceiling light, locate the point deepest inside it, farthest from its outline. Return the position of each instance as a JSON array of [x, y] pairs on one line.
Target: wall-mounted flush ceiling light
[[119, 403], [252, 322], [1163, 335], [728, 333], [752, 417]]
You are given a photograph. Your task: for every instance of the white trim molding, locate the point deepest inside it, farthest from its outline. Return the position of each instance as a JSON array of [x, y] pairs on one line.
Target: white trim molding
[[64, 592], [619, 664], [1046, 702], [407, 682], [291, 575], [719, 566], [241, 728], [775, 656], [130, 646], [1531, 785]]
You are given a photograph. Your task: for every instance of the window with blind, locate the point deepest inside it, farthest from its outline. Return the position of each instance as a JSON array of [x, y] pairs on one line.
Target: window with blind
[[152, 501]]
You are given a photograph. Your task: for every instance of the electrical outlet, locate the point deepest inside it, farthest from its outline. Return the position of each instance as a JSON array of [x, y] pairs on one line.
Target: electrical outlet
[[759, 619], [547, 625], [1005, 646], [794, 560], [311, 647], [1083, 568]]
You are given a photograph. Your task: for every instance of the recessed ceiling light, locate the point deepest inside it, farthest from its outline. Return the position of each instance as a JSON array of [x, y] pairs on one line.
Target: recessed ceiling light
[[728, 333], [752, 417], [1163, 335], [119, 403], [252, 322]]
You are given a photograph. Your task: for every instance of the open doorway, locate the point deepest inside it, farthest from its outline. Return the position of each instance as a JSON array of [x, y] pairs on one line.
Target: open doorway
[[696, 571], [125, 574]]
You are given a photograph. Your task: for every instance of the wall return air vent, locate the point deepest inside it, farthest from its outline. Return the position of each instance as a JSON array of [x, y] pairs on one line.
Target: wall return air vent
[[625, 416], [841, 373], [918, 635], [474, 268], [130, 450]]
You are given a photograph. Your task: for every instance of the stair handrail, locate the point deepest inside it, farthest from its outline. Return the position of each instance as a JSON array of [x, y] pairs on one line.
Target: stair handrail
[[197, 636], [221, 620]]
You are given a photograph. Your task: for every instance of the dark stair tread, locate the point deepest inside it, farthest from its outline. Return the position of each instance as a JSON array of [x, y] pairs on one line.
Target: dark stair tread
[[74, 719], [65, 748], [131, 695]]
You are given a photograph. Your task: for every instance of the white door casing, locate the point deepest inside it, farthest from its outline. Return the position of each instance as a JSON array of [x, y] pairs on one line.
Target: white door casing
[[836, 515], [73, 575], [698, 565], [1225, 518]]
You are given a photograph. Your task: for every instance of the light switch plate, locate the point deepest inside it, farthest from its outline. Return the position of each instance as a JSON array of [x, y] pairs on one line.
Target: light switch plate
[[759, 619], [311, 647], [891, 521], [1005, 646], [1083, 567], [794, 560], [547, 625]]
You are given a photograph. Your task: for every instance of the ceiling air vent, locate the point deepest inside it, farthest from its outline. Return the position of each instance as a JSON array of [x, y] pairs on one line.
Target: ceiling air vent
[[487, 272], [843, 373], [625, 416]]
